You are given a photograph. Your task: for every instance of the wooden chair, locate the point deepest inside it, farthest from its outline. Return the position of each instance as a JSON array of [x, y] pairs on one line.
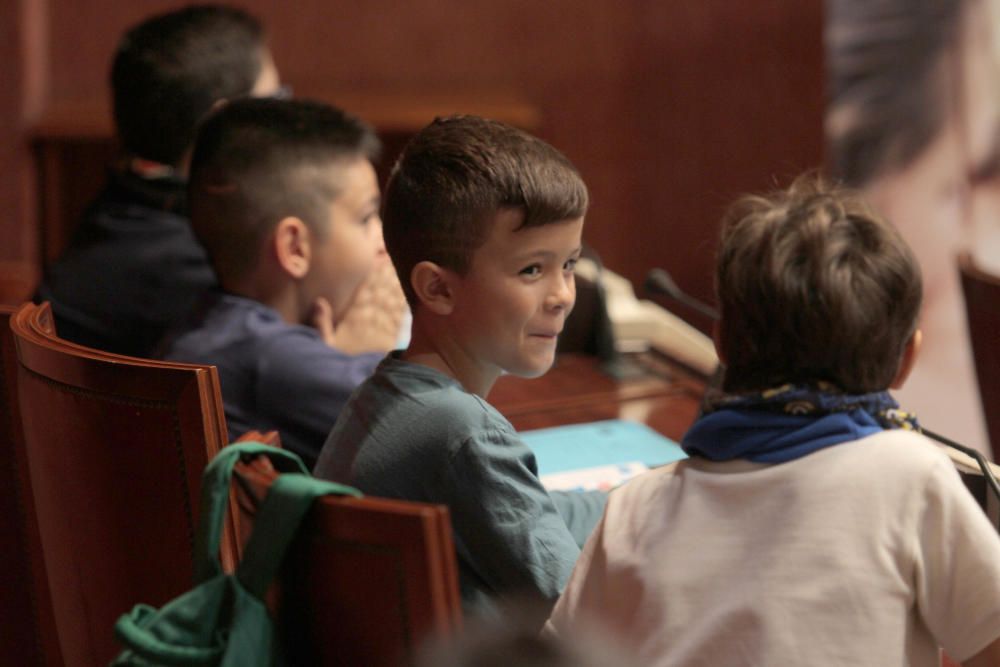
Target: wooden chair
[[982, 307], [115, 448], [367, 579], [23, 587]]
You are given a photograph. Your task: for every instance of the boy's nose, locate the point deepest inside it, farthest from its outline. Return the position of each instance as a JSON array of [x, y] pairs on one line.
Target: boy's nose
[[563, 293]]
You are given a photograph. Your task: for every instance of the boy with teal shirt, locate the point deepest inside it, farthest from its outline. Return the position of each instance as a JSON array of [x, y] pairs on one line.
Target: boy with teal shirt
[[483, 223]]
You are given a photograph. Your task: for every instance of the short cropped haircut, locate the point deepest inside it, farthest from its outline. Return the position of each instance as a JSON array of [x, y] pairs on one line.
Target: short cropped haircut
[[893, 70], [257, 161], [453, 178], [812, 286], [169, 70]]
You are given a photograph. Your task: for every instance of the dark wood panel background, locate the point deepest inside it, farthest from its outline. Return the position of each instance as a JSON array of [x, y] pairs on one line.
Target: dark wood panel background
[[669, 109]]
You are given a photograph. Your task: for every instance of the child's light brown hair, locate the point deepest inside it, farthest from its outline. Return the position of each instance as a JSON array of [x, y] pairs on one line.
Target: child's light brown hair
[[813, 286]]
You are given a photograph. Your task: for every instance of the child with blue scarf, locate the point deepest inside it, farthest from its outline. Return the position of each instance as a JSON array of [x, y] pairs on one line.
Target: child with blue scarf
[[812, 523]]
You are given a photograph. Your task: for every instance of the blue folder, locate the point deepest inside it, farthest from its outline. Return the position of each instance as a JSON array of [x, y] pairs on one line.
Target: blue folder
[[600, 443]]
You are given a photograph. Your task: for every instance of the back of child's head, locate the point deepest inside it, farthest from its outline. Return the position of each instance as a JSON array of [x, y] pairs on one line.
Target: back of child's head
[[812, 286], [257, 161], [453, 178], [170, 69]]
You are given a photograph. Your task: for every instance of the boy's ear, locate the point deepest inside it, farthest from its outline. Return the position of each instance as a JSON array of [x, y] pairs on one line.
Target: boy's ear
[[910, 353], [433, 286], [292, 246]]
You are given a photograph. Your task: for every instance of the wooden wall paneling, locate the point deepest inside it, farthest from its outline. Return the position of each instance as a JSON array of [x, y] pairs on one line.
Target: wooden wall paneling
[[669, 109], [21, 50]]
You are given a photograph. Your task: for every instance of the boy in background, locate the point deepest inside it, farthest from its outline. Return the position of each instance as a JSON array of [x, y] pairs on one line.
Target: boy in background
[[807, 528], [483, 224], [285, 200], [133, 267]]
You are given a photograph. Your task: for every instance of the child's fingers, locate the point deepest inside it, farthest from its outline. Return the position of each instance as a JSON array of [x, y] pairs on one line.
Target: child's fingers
[[322, 319]]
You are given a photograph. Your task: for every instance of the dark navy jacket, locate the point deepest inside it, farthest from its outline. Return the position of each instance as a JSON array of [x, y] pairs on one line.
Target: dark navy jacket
[[274, 375], [132, 269]]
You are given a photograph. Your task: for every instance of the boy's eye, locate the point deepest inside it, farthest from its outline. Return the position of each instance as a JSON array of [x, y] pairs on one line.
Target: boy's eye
[[531, 271], [570, 264]]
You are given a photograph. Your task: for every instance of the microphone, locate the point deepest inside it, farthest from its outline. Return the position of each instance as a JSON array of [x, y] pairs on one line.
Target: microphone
[[658, 281]]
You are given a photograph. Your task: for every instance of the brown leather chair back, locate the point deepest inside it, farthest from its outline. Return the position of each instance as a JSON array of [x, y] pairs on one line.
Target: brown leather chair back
[[366, 581], [115, 448], [982, 306]]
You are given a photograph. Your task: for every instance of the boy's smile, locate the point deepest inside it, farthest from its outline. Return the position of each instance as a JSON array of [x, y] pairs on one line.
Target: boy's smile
[[511, 305]]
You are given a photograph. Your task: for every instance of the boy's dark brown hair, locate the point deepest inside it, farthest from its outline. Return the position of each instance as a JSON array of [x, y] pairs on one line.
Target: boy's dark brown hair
[[259, 160], [453, 178], [170, 69], [813, 286]]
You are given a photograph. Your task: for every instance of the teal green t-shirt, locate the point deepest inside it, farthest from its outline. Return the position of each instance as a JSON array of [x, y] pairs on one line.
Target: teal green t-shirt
[[413, 433]]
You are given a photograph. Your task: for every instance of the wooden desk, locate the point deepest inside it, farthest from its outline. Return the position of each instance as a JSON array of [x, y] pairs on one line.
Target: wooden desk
[[665, 396]]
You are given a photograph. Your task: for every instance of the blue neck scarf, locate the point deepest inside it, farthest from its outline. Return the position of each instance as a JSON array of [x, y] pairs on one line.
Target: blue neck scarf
[[789, 422]]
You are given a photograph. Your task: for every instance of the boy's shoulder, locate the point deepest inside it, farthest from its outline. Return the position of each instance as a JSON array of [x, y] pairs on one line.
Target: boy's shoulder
[[434, 400], [228, 322], [148, 218], [433, 393], [899, 451], [406, 416], [890, 457]]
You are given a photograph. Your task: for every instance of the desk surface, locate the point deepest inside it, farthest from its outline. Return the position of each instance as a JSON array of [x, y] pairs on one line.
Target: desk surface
[[664, 395]]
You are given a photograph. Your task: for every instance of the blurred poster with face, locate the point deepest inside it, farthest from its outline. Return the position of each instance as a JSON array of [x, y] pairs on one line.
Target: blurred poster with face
[[984, 138], [914, 122]]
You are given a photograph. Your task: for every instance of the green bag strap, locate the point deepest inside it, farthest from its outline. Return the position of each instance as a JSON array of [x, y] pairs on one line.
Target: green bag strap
[[132, 629], [215, 499], [277, 521]]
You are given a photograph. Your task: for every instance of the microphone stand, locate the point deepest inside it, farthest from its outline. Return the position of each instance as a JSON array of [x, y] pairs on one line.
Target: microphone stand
[[659, 281], [984, 464]]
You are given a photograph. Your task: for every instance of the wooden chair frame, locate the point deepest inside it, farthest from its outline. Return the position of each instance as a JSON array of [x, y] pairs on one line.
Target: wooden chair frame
[[332, 607], [101, 513], [982, 305]]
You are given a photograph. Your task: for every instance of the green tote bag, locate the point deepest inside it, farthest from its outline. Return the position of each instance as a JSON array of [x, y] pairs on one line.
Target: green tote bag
[[223, 620]]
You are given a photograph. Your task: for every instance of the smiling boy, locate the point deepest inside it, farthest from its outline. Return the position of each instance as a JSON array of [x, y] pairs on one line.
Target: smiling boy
[[483, 223], [506, 313]]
